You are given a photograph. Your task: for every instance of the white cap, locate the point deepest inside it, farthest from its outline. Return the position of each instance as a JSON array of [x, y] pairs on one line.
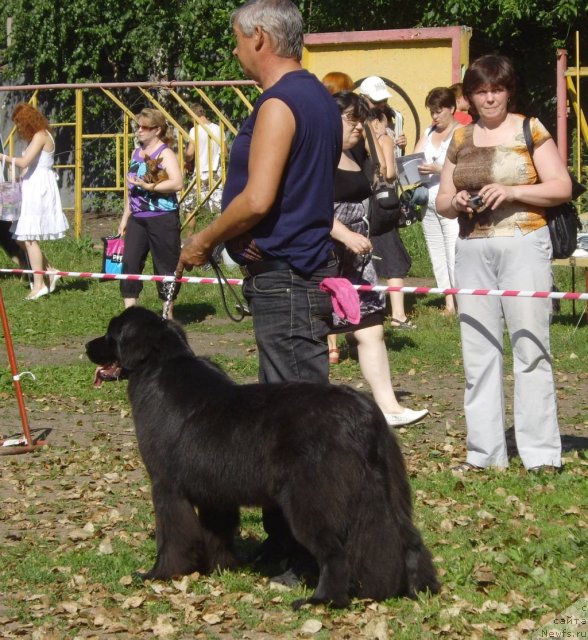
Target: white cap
[[375, 89]]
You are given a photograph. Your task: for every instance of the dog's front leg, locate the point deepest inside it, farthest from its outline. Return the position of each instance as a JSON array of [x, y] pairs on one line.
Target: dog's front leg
[[179, 537], [220, 527]]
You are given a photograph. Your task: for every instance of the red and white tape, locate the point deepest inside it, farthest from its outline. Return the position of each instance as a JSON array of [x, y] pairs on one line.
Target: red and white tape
[[559, 295]]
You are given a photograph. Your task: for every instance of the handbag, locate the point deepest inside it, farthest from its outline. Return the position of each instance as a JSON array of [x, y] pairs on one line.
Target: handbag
[[112, 254], [410, 201], [562, 220], [10, 195]]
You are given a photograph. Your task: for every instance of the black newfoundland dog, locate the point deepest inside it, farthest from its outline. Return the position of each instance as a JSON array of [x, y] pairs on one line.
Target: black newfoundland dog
[[321, 453]]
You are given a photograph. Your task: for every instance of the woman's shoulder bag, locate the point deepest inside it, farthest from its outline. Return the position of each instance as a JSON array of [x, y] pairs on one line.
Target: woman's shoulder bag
[[562, 220], [387, 209]]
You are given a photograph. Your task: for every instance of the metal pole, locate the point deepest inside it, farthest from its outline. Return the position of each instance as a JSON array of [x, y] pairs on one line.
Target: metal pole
[[562, 110], [78, 163], [578, 136], [19, 396]]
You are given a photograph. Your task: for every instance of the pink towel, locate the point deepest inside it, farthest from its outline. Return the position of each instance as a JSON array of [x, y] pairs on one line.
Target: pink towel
[[344, 297]]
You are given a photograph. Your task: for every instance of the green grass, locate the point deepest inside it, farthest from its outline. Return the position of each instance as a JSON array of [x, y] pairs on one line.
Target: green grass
[[510, 548]]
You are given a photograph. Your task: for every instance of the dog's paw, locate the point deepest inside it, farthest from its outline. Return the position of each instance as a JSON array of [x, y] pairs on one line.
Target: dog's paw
[[338, 603], [299, 603]]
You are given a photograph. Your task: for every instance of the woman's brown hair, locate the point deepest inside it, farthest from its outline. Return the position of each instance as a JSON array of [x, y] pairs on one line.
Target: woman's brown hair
[[491, 71], [155, 118], [439, 98]]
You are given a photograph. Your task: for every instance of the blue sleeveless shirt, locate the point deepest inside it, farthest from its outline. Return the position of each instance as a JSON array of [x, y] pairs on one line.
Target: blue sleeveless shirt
[[298, 225]]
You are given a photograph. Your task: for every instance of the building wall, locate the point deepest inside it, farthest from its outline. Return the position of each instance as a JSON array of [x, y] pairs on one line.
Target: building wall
[[414, 59]]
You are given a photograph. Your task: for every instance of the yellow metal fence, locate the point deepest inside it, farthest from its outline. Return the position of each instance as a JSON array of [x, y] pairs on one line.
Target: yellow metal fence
[[225, 102]]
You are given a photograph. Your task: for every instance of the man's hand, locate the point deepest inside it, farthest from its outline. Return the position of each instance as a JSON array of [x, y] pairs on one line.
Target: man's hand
[[194, 254]]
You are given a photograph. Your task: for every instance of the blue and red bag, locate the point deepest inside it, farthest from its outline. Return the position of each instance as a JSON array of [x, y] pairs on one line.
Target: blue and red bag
[[112, 255]]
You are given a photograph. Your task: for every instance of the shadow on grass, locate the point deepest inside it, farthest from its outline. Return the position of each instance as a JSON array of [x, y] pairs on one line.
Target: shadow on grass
[[394, 341], [399, 339], [571, 319], [193, 312], [76, 284], [568, 443]]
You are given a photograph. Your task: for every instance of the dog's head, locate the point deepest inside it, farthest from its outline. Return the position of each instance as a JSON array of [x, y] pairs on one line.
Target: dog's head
[[134, 339], [154, 173]]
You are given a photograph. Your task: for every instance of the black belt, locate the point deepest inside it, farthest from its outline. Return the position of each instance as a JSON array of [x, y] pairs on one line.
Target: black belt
[[277, 264], [263, 266]]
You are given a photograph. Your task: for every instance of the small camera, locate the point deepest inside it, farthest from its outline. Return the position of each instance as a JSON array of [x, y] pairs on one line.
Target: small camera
[[475, 202]]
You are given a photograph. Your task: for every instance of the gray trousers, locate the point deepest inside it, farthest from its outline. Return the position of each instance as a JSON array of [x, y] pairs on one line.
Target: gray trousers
[[521, 262]]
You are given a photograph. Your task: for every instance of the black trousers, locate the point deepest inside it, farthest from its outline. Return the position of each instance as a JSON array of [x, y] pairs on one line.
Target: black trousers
[[159, 235]]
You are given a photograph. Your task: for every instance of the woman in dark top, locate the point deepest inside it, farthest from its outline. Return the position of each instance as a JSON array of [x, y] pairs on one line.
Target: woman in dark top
[[353, 249]]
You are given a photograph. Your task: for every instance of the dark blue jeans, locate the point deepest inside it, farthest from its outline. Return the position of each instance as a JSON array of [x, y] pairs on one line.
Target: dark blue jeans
[[291, 319]]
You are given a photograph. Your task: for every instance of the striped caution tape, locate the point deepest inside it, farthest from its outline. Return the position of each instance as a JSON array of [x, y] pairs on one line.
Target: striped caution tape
[[558, 295]]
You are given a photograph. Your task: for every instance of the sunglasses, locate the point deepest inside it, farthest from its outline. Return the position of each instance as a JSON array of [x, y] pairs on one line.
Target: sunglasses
[[145, 127], [354, 122]]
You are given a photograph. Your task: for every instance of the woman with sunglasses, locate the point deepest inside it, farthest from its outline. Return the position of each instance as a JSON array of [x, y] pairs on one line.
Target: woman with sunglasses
[[150, 221], [353, 248]]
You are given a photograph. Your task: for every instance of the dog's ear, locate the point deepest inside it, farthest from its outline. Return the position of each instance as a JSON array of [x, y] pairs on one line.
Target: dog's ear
[[138, 334]]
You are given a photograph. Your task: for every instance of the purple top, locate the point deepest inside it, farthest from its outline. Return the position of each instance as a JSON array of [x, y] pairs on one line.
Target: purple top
[[147, 204]]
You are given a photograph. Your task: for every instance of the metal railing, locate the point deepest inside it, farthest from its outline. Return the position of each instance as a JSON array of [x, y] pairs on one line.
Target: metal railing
[[225, 100]]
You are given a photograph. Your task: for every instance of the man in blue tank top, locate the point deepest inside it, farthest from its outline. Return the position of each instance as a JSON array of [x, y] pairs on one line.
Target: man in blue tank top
[[278, 199], [277, 212]]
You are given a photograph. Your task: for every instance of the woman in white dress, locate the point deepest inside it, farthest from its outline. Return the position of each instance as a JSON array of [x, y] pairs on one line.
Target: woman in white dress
[[440, 233], [41, 215]]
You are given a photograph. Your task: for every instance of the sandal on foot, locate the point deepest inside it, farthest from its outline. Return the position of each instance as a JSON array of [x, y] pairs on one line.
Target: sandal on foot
[[53, 280], [334, 356], [400, 324], [464, 467]]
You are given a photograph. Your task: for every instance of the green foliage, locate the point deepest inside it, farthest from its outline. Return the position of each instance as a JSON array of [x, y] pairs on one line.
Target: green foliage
[[192, 40]]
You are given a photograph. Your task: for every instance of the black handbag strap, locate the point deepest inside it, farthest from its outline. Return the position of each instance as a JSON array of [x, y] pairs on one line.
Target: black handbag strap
[[528, 136], [374, 157], [373, 153], [577, 187]]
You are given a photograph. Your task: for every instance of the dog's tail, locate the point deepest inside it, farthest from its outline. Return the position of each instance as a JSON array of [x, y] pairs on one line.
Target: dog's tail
[[388, 555]]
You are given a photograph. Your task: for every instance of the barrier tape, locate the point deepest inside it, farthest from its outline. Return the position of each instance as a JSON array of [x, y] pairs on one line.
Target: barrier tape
[[558, 295]]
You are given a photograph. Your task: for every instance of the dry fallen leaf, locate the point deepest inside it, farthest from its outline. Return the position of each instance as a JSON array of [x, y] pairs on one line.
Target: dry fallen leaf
[[310, 627], [133, 602], [105, 547]]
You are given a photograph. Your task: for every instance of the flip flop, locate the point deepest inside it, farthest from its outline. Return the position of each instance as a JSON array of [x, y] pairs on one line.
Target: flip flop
[[464, 467], [399, 324]]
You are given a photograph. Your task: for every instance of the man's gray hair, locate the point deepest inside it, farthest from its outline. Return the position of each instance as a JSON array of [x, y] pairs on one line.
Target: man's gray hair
[[280, 19]]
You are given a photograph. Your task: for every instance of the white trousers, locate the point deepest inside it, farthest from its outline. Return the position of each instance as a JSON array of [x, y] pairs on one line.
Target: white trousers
[[440, 236], [521, 262]]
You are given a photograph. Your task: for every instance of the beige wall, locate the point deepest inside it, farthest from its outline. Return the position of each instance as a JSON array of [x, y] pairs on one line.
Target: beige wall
[[416, 60]]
